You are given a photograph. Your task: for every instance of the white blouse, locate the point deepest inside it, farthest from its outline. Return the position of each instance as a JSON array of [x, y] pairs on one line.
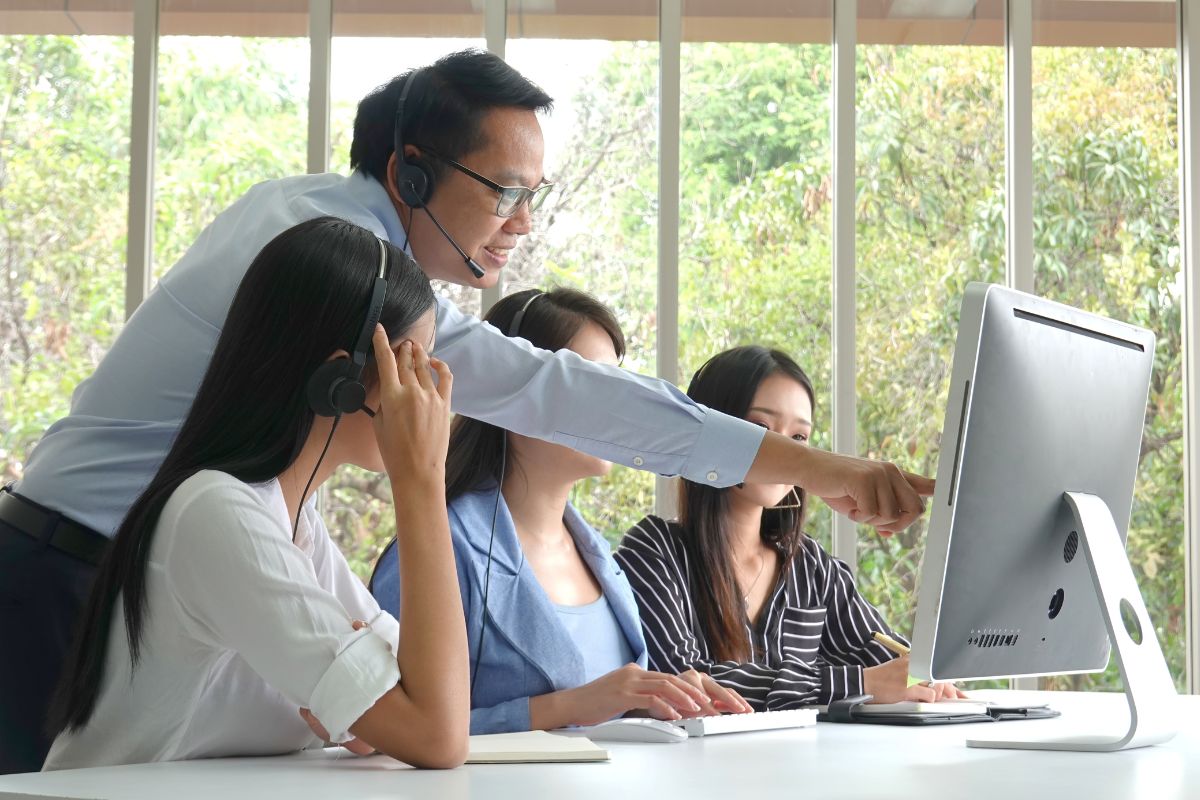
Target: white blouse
[[242, 628]]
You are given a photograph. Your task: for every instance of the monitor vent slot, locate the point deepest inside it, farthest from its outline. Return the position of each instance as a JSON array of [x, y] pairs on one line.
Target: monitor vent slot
[[993, 638], [1078, 329], [1071, 547]]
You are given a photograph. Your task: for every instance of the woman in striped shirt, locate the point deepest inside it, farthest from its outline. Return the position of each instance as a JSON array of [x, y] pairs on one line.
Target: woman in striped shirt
[[736, 590]]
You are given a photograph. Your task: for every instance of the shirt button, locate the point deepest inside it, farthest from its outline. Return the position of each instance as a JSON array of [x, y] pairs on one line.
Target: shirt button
[[712, 476], [638, 461]]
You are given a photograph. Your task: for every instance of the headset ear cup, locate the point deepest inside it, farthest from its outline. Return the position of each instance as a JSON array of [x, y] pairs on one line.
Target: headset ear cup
[[349, 396], [326, 387], [414, 182]]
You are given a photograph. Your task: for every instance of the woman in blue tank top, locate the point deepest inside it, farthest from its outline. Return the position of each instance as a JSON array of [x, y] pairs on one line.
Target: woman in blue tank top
[[552, 623]]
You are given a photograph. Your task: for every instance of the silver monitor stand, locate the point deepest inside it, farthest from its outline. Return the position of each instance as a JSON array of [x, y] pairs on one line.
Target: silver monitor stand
[[1148, 686]]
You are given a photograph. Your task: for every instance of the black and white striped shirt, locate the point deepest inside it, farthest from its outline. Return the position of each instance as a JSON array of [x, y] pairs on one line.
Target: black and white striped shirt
[[811, 641]]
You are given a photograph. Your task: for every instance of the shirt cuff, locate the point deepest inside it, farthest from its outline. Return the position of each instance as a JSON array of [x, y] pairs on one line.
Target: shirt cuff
[[385, 626], [838, 683], [724, 451], [510, 716], [359, 675]]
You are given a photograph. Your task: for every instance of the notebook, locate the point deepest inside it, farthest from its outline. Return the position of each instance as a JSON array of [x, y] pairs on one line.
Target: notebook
[[913, 707], [857, 709], [531, 747]]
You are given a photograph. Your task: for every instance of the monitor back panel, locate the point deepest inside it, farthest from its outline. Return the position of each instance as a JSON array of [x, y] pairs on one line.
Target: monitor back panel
[[1044, 399]]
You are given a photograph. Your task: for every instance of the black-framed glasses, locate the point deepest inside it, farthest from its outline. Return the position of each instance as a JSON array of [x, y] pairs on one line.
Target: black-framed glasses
[[511, 197]]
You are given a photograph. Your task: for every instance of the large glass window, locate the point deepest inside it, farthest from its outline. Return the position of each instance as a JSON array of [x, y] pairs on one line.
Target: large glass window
[[232, 111], [598, 231], [371, 45], [1106, 239], [755, 201], [930, 218], [64, 184], [756, 181]]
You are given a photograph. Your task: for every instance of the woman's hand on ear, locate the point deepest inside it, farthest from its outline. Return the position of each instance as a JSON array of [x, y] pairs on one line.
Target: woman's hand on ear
[[413, 423]]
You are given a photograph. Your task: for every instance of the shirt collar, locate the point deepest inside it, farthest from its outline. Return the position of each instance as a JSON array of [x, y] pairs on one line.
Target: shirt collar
[[271, 495], [370, 192]]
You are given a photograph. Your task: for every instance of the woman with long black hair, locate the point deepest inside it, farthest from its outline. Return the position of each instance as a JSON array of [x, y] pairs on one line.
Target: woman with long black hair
[[223, 620], [736, 590]]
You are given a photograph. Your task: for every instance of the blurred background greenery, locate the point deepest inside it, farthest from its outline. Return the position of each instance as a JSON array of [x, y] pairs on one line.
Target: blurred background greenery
[[755, 234]]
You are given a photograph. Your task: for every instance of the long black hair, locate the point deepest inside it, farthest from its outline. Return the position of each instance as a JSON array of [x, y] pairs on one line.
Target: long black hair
[[303, 298], [727, 382], [550, 321]]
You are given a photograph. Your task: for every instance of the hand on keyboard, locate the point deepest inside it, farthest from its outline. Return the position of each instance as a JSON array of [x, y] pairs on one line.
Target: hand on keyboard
[[721, 699], [632, 688]]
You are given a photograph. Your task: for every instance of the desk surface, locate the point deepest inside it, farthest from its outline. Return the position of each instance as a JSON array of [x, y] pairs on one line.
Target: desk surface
[[828, 761]]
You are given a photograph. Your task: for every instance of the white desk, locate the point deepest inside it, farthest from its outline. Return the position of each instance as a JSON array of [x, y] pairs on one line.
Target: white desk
[[829, 761]]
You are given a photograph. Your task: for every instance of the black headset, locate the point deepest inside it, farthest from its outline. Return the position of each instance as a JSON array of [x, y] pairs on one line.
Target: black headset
[[335, 387], [414, 179], [514, 327]]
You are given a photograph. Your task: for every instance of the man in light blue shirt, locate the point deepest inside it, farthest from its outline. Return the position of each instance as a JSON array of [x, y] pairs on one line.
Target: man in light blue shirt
[[470, 131]]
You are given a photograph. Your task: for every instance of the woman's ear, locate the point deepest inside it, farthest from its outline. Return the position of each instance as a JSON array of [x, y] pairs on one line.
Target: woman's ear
[[336, 355]]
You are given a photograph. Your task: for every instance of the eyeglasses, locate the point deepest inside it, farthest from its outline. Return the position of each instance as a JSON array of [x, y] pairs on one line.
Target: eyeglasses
[[511, 197]]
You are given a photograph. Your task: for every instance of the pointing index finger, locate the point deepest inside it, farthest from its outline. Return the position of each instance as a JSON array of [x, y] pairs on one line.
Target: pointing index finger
[[920, 484]]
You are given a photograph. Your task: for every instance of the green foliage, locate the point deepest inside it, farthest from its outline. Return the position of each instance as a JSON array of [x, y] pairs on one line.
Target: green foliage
[[755, 244], [64, 155], [229, 116]]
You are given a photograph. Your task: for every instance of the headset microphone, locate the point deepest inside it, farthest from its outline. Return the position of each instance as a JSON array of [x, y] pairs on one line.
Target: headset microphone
[[476, 270], [414, 178]]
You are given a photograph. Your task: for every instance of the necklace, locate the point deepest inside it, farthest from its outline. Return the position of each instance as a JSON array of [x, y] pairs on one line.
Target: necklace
[[762, 562]]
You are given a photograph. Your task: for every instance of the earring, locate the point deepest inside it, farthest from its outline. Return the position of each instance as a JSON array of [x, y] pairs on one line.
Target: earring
[[793, 493]]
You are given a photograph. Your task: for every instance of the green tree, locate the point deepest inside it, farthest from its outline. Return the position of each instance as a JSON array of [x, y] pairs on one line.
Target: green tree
[[64, 155]]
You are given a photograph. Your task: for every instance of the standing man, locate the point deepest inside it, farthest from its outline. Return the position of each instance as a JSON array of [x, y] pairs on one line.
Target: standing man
[[448, 164]]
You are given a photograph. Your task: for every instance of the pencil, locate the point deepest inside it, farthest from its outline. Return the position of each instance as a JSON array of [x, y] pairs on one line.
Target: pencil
[[890, 643]]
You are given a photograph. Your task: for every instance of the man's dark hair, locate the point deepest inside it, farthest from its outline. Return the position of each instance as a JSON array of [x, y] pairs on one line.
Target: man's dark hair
[[443, 111]]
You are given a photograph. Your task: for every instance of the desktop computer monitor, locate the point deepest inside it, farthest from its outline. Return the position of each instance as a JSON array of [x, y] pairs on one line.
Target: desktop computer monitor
[[1024, 570]]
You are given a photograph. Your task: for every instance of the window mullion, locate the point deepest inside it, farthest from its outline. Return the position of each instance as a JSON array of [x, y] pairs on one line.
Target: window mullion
[[139, 252], [845, 423], [670, 36]]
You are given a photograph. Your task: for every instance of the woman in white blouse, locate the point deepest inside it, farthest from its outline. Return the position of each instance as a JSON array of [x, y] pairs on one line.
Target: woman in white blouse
[[223, 612]]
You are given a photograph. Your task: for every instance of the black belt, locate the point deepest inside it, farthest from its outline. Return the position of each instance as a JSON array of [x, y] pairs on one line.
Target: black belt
[[67, 536]]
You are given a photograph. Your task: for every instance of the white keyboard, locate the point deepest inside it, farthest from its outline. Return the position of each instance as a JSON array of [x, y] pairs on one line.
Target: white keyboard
[[754, 721]]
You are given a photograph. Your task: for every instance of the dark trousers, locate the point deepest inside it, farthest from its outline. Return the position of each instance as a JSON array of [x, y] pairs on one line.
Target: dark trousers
[[42, 591]]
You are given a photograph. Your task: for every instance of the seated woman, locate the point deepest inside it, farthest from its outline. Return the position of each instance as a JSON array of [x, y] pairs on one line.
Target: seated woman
[[223, 613], [736, 590], [552, 624]]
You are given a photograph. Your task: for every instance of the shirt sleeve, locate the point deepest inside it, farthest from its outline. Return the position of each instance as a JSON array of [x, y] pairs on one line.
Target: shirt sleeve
[[242, 585], [850, 620], [599, 409], [676, 643], [504, 717], [333, 572], [510, 716]]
